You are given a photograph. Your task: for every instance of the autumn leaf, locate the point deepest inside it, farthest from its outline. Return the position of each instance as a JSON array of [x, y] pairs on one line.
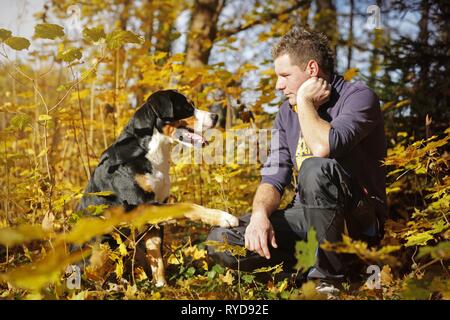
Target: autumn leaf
[[227, 278], [4, 34], [305, 251], [350, 74], [44, 117], [36, 275], [20, 121], [235, 251], [17, 43], [309, 292], [88, 228], [362, 250], [273, 269], [48, 31], [11, 236], [94, 34], [70, 55], [118, 38]]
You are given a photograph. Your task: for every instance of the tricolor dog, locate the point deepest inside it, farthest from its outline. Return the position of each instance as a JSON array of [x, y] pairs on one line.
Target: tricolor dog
[[135, 168]]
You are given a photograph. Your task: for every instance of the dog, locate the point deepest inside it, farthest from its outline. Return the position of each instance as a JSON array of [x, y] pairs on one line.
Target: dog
[[135, 168]]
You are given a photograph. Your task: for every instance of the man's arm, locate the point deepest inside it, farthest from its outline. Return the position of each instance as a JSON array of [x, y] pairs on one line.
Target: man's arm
[[311, 94], [266, 200], [260, 231]]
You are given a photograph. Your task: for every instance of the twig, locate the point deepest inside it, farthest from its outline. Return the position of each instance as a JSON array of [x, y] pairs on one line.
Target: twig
[[75, 84], [82, 123]]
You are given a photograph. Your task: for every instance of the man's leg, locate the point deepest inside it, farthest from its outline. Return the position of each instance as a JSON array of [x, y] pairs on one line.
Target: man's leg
[[327, 196], [287, 234]]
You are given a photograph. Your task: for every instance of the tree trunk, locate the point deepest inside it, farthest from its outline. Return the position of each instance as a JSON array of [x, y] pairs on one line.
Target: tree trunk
[[350, 36], [203, 31], [326, 22]]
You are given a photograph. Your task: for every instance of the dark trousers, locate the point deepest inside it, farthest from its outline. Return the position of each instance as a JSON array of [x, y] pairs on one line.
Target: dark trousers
[[328, 196]]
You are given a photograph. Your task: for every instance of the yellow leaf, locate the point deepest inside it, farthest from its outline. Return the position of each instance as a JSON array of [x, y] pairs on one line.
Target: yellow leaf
[[309, 292], [227, 278], [386, 275], [36, 275], [23, 233], [173, 259], [87, 228], [44, 117], [122, 247], [350, 73], [101, 193], [119, 269], [195, 253]]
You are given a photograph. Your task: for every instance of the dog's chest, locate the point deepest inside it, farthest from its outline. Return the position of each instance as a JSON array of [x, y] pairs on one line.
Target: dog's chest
[[159, 156]]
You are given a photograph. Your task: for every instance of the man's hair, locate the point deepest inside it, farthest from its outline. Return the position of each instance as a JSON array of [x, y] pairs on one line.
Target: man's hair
[[302, 45]]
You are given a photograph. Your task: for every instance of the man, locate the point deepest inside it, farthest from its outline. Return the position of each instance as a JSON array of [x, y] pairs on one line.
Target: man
[[330, 131]]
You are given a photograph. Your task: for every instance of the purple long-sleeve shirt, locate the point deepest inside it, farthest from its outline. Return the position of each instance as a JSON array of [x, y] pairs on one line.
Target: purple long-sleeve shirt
[[357, 139]]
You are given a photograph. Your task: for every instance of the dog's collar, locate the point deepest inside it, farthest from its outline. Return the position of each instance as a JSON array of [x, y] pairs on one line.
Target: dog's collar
[[159, 121]]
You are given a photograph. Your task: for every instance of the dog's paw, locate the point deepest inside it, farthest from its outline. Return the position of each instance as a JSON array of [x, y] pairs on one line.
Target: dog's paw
[[160, 283], [227, 220]]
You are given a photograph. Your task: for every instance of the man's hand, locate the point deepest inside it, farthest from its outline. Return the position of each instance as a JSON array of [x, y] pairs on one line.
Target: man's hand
[[314, 90], [258, 233]]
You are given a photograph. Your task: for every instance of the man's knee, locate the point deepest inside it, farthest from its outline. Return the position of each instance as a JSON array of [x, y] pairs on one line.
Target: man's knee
[[319, 181], [315, 171], [222, 257]]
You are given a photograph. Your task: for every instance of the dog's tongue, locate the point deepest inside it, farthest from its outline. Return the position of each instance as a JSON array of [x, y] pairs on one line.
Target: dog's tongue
[[185, 135]]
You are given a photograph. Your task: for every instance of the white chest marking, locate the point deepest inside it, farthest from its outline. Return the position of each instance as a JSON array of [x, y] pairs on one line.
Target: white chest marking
[[159, 156]]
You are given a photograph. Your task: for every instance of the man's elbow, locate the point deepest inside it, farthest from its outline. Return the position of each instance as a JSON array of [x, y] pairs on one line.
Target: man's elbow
[[321, 151]]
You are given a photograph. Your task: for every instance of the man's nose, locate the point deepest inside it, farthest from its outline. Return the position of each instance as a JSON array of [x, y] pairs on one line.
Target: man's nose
[[280, 85]]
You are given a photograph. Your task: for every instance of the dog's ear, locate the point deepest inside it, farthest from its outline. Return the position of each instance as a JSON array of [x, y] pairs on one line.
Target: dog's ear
[[142, 123], [162, 105]]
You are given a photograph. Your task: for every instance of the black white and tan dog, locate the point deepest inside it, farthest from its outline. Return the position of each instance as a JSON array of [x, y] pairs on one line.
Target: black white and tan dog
[[135, 168]]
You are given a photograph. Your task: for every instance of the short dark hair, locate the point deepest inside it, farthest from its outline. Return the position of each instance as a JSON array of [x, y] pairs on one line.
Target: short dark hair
[[303, 45]]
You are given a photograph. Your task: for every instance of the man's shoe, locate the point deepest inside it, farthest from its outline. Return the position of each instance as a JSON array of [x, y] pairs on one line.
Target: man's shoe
[[327, 288]]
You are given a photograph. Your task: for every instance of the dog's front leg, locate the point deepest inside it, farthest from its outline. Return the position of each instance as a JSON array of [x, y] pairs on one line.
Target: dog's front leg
[[213, 217], [154, 256]]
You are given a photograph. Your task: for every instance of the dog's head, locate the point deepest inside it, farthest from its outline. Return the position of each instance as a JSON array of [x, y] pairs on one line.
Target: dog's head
[[178, 119]]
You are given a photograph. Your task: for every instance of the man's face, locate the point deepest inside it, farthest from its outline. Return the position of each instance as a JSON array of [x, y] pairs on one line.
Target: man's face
[[289, 77]]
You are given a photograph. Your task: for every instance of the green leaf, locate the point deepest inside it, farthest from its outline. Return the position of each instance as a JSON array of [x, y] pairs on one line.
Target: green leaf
[[4, 34], [305, 252], [118, 38], [190, 272], [20, 121], [419, 239], [48, 31], [70, 55], [218, 269], [17, 43], [248, 278], [94, 34]]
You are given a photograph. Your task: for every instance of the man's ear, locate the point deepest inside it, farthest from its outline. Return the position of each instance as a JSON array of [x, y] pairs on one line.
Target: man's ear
[[312, 68]]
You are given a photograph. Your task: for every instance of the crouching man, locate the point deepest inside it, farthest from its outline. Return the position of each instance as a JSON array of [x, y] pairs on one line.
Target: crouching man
[[331, 134]]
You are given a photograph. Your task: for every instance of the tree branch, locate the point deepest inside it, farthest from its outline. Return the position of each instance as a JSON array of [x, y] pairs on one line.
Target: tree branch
[[272, 16]]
